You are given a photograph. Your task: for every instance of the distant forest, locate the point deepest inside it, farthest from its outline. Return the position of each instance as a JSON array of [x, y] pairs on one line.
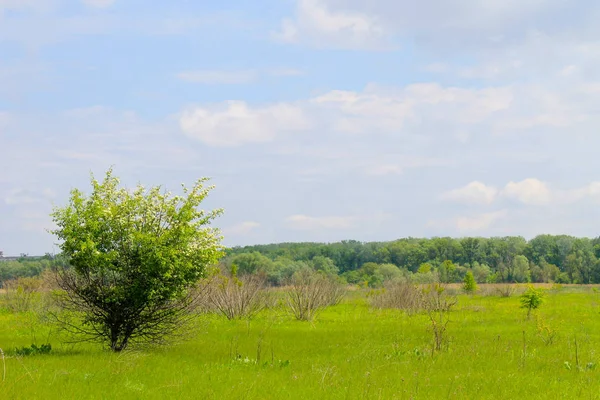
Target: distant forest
[[26, 266], [545, 258]]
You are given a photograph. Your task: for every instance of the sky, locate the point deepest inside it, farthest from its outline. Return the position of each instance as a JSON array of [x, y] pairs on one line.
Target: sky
[[316, 120]]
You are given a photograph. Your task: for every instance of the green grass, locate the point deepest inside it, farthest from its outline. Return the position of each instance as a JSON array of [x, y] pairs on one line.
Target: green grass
[[350, 352]]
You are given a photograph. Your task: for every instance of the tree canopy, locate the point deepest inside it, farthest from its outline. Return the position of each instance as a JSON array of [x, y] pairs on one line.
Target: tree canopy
[[134, 257]]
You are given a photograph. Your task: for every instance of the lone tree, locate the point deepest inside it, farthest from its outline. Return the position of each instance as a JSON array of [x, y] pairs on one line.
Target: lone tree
[[532, 299], [135, 257], [469, 284]]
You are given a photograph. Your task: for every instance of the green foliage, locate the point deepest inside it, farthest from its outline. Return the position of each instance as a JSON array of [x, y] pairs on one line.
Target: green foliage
[[249, 263], [283, 269], [375, 275], [135, 254], [532, 299], [424, 268], [520, 270], [447, 271], [481, 272], [33, 350], [325, 265], [563, 277], [469, 284]]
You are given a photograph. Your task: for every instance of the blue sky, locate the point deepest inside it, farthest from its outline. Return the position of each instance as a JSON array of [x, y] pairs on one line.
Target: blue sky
[[317, 120]]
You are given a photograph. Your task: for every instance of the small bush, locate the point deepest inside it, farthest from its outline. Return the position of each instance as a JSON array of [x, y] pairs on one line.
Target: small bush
[[412, 298], [547, 333], [311, 291], [22, 293], [235, 297], [506, 290], [532, 299], [438, 304], [469, 284], [400, 295], [33, 350]]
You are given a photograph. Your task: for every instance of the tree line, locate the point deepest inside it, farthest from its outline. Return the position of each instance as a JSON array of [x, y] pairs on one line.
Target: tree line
[[545, 258], [513, 259], [25, 266]]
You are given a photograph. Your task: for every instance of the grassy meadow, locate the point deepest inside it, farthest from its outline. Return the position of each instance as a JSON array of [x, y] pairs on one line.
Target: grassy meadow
[[350, 351]]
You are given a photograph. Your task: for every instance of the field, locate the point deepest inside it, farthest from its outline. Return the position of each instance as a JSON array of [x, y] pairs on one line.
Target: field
[[351, 351]]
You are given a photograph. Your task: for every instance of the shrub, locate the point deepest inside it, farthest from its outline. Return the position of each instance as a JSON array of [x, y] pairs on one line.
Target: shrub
[[235, 297], [311, 291], [469, 284], [506, 290], [134, 258], [412, 298], [437, 304], [400, 295], [532, 299], [33, 350], [433, 299], [547, 333], [22, 293], [437, 298]]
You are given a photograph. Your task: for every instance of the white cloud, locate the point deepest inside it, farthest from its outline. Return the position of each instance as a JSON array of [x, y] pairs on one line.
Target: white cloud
[[474, 193], [529, 191], [99, 3], [391, 110], [234, 123], [304, 222], [242, 229], [316, 24], [478, 222], [469, 224], [423, 110], [429, 22], [215, 77]]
